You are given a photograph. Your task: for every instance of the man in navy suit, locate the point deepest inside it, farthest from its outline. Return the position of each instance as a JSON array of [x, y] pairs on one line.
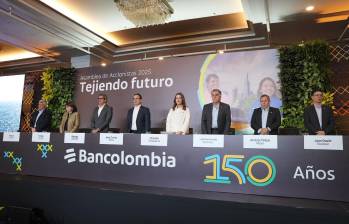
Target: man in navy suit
[[138, 117], [265, 120], [318, 118], [41, 119]]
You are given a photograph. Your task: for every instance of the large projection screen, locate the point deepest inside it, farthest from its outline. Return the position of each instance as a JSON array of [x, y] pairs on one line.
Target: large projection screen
[[11, 94]]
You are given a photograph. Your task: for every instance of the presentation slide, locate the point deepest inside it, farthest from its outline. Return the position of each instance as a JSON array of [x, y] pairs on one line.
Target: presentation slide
[[11, 94]]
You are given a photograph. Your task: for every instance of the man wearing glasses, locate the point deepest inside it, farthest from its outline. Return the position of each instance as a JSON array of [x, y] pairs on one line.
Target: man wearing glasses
[[215, 117], [102, 115], [318, 118], [138, 117]]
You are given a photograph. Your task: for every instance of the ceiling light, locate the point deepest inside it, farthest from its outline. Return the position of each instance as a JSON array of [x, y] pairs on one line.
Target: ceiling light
[[145, 12], [103, 64], [221, 51], [17, 56], [161, 58], [309, 8]]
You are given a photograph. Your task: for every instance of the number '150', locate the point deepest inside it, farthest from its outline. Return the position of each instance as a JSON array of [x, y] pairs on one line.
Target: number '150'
[[228, 165]]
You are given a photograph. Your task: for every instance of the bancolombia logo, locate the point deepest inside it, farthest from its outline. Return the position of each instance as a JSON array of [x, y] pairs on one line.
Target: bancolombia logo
[[152, 160]]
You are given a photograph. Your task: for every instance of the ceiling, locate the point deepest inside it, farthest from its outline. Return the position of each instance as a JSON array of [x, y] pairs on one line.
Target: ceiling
[[54, 31], [9, 53], [104, 17], [286, 10]]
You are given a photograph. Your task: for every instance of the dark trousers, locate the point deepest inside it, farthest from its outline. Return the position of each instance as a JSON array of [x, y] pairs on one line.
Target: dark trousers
[[215, 131]]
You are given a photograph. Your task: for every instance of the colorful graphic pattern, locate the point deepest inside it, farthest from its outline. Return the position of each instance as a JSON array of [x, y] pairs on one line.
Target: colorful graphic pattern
[[44, 149], [16, 160], [203, 70], [227, 166]]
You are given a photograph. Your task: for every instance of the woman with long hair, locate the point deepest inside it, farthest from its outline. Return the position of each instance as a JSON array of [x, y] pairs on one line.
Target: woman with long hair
[[178, 117]]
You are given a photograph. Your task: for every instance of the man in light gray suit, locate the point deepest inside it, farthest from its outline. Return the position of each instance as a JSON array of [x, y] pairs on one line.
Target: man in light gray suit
[[216, 115], [102, 115]]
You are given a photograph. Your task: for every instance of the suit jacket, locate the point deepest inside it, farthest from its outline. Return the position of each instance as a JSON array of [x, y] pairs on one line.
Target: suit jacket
[[44, 121], [103, 120], [311, 121], [273, 120], [142, 121], [223, 121], [73, 122]]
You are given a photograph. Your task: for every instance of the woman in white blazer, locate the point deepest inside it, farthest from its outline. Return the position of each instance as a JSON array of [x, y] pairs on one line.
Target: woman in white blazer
[[178, 117]]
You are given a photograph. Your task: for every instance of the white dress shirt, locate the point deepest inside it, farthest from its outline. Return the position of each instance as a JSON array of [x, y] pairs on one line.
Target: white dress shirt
[[215, 111], [134, 117], [318, 109], [265, 117], [100, 108], [178, 120], [37, 117], [265, 113]]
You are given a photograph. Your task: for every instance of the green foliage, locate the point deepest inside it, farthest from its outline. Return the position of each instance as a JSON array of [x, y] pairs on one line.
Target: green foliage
[[58, 89], [47, 89], [303, 68]]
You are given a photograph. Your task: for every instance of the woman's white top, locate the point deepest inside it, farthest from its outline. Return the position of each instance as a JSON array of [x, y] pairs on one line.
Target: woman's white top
[[178, 120]]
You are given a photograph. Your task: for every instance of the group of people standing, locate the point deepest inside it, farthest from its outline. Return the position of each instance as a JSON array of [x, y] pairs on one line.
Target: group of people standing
[[215, 118], [138, 117]]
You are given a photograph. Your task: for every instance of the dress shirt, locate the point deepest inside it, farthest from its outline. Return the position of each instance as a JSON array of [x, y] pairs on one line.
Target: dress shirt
[[134, 117], [215, 111], [318, 109], [100, 108], [37, 117]]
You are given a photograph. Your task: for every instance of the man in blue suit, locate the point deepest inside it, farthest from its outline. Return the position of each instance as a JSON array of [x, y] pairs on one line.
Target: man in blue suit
[[266, 120], [138, 117]]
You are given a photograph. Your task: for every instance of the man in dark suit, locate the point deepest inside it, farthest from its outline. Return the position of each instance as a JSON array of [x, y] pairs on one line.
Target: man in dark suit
[[318, 118], [215, 118], [102, 115], [265, 120], [138, 117], [41, 119]]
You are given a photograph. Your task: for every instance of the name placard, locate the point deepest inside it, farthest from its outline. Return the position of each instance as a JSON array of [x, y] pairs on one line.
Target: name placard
[[260, 142], [111, 138], [328, 142], [208, 141], [154, 139], [75, 138], [11, 137], [41, 137]]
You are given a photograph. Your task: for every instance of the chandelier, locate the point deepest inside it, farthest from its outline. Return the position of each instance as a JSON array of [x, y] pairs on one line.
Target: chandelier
[[145, 12]]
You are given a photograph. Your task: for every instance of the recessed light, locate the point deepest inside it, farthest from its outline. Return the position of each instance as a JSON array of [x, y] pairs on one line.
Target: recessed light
[[161, 58], [221, 51], [309, 8], [103, 64]]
